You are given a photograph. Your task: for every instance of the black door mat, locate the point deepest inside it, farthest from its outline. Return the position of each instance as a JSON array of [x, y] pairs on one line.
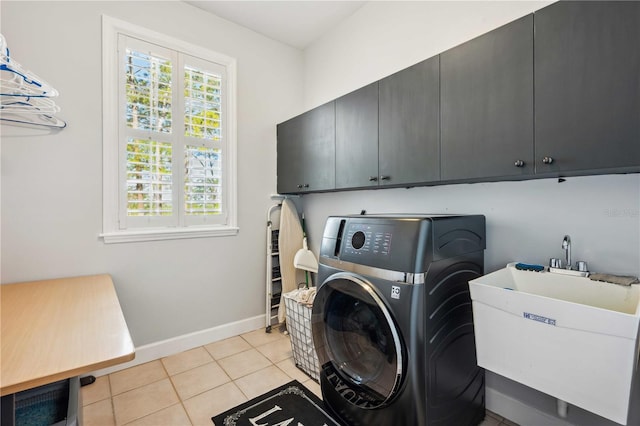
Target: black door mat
[[291, 403]]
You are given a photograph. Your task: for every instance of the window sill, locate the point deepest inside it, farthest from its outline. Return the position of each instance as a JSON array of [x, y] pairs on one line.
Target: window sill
[[167, 234]]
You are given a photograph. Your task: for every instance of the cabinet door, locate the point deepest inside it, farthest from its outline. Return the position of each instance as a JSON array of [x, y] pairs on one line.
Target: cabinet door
[[587, 86], [318, 148], [487, 105], [290, 169], [357, 138], [409, 115]]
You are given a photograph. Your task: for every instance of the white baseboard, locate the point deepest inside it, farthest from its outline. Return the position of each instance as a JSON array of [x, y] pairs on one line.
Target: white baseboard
[[185, 342], [519, 412]]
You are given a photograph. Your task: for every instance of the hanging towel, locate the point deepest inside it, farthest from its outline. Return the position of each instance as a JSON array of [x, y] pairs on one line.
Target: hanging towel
[[615, 279], [289, 242]]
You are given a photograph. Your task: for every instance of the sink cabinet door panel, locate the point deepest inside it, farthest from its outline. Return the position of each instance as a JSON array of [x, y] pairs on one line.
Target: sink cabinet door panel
[[409, 110], [487, 105], [357, 138], [587, 86]]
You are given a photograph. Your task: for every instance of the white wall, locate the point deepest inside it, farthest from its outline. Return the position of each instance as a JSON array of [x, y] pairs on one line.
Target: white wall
[[526, 221], [52, 183], [383, 37]]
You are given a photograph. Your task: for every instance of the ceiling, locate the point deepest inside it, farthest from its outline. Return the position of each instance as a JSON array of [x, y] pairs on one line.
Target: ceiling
[[296, 23]]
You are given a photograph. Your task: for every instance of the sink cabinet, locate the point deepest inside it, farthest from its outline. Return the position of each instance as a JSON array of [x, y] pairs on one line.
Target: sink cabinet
[[306, 151], [487, 105], [587, 87]]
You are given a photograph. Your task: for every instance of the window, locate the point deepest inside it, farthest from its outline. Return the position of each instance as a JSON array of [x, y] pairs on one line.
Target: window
[[168, 137]]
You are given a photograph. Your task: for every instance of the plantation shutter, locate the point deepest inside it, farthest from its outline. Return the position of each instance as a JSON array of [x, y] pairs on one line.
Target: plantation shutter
[[172, 141], [204, 109]]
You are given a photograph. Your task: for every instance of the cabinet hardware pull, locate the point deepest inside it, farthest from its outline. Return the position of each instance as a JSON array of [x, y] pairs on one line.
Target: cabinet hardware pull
[[385, 177], [547, 160], [373, 178], [306, 185], [519, 163], [299, 186]]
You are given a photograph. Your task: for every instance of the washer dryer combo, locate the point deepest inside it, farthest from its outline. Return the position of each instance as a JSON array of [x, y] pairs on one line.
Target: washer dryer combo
[[392, 320]]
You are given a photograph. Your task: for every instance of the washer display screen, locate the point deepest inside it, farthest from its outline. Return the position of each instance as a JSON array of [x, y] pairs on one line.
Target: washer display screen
[[363, 238]]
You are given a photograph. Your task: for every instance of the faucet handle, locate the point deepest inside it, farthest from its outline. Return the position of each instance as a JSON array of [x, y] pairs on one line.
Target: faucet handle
[[555, 263], [581, 266]]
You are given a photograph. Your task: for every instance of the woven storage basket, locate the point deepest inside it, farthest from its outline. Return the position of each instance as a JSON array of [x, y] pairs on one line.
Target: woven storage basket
[[298, 317]]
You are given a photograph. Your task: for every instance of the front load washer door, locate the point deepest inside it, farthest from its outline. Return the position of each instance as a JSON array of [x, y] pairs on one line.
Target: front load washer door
[[357, 342]]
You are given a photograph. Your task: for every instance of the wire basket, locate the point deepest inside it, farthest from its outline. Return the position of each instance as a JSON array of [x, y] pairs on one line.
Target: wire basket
[[298, 317]]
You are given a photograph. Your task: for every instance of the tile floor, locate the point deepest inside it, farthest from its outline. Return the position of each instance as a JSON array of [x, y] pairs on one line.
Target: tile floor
[[190, 387], [492, 419]]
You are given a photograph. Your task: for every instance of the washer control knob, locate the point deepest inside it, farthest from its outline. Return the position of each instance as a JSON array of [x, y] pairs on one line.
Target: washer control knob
[[358, 239]]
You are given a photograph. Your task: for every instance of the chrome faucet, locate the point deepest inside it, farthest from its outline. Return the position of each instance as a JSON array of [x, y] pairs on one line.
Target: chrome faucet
[[566, 246], [555, 265]]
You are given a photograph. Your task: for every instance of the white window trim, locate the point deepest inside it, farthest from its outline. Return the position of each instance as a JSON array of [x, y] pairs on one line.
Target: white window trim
[[111, 27]]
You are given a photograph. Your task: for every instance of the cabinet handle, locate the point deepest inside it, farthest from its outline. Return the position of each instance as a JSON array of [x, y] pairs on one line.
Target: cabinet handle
[[547, 160], [299, 186], [373, 178], [306, 185], [385, 177], [519, 163]]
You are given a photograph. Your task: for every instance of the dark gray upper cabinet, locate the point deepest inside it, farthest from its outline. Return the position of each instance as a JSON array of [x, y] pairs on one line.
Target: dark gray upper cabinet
[[290, 168], [306, 151], [587, 87], [357, 138], [409, 128], [487, 105], [502, 106]]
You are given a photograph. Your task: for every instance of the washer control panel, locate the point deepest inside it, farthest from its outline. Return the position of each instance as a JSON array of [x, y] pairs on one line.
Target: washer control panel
[[364, 238]]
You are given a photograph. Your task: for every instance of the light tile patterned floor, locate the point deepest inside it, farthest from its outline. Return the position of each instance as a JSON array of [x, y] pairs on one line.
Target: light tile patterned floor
[[190, 387], [492, 419]]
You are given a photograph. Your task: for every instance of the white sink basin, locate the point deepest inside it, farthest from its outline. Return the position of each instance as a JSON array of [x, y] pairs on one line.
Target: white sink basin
[[570, 337]]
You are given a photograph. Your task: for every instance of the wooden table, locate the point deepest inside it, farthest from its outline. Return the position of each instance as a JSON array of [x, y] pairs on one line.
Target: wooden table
[[56, 329]]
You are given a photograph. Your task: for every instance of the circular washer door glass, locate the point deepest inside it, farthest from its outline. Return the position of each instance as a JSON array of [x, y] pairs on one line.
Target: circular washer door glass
[[361, 348]]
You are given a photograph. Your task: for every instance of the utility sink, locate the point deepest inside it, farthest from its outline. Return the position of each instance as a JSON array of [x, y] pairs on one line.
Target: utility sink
[[567, 336]]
